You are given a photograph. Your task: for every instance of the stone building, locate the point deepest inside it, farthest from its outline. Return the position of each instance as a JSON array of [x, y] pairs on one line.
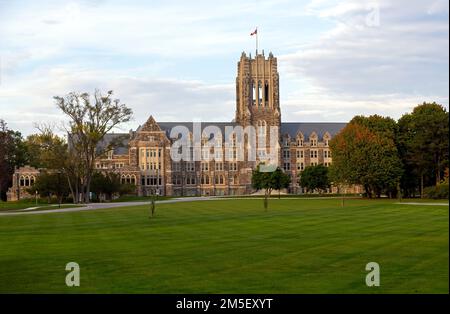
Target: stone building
[[144, 156], [23, 179]]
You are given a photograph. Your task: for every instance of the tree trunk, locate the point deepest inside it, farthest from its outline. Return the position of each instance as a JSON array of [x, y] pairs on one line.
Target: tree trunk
[[87, 192], [421, 186], [70, 188], [438, 172]]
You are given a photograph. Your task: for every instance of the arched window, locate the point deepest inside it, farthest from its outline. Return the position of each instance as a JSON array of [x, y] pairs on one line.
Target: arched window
[[32, 179], [22, 181], [260, 93], [254, 93], [27, 181], [261, 127], [205, 179], [190, 180], [266, 94], [177, 180]]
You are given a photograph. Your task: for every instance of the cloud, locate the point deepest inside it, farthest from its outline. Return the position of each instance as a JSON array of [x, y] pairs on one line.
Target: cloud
[[366, 68], [177, 60], [166, 99]]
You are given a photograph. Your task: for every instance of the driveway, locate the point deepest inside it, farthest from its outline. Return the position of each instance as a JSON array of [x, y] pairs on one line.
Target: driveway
[[93, 206]]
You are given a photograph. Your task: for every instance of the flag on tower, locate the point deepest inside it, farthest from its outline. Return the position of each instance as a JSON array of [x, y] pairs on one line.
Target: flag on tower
[[254, 32]]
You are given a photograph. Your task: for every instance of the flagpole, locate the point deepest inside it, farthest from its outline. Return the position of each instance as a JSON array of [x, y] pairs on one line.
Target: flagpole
[[256, 40]]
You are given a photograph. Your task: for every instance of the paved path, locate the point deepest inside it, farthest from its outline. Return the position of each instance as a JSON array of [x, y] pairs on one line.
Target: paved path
[[94, 206], [427, 204]]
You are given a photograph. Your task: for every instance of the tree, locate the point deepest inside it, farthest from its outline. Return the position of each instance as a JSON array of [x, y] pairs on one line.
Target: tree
[[315, 178], [90, 120], [46, 149], [268, 181], [281, 180], [108, 184], [13, 154], [364, 153], [423, 142], [50, 183]]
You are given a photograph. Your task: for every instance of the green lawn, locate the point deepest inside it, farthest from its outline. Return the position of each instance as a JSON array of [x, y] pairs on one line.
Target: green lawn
[[230, 246]]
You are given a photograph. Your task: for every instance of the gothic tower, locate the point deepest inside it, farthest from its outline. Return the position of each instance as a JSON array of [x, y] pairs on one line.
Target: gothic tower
[[257, 91], [258, 104]]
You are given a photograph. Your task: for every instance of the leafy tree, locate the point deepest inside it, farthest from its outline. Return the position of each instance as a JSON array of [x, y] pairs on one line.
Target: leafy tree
[[13, 154], [46, 149], [90, 120], [364, 153], [108, 184], [50, 183], [268, 181], [315, 178], [281, 181], [423, 144]]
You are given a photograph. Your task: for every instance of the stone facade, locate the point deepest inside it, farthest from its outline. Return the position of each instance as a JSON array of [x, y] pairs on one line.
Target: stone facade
[[144, 159], [23, 179]]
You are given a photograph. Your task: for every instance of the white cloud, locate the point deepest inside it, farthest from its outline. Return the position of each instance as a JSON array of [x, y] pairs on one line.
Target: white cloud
[[385, 69], [166, 99], [167, 59]]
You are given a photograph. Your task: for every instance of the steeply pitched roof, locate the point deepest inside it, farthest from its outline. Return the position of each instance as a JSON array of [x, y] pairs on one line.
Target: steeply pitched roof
[[121, 147], [306, 128], [168, 126], [291, 128]]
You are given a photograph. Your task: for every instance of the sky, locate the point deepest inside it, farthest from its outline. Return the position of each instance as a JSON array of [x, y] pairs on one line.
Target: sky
[[177, 60]]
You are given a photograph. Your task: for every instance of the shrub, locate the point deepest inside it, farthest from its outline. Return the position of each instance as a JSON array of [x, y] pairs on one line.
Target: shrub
[[437, 192]]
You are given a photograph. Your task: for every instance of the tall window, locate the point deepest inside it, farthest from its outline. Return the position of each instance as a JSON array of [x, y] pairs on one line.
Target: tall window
[[261, 128], [260, 94], [219, 166], [205, 179], [190, 166], [266, 94], [254, 93]]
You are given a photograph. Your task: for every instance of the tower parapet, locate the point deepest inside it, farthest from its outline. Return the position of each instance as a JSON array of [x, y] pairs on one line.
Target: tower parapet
[[257, 90]]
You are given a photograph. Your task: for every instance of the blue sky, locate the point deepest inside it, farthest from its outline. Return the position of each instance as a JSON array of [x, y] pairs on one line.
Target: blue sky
[[177, 59]]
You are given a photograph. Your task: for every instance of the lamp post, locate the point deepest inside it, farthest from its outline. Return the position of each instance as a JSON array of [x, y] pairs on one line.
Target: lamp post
[[18, 184], [36, 196]]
